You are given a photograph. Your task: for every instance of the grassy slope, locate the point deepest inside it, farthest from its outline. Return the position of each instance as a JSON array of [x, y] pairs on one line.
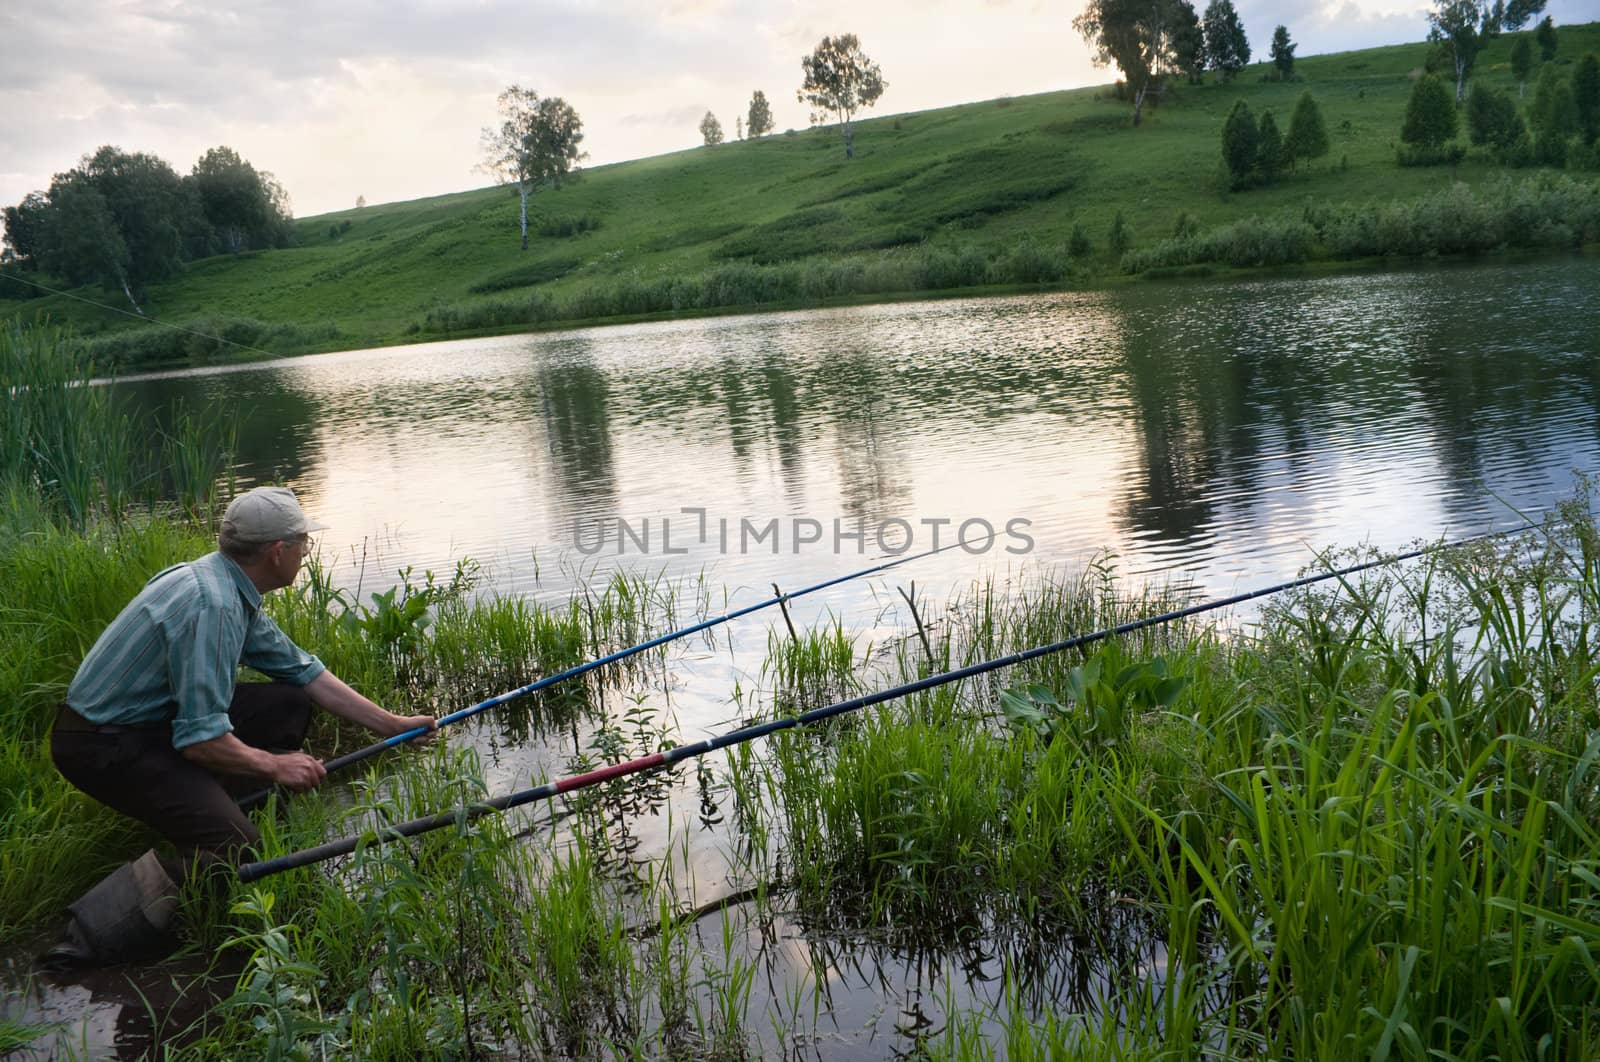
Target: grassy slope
[[982, 174]]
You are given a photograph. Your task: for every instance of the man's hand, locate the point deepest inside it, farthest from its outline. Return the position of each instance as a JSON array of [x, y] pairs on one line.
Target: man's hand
[[403, 723], [330, 692], [297, 771]]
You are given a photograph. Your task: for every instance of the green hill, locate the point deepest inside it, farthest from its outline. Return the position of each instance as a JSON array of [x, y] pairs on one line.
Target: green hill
[[940, 199]]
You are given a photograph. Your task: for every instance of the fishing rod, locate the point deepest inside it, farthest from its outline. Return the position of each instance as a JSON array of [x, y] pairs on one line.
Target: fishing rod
[[358, 755], [260, 869]]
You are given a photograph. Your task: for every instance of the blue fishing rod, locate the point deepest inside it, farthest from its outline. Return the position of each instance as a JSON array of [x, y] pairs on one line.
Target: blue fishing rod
[[341, 762], [332, 849]]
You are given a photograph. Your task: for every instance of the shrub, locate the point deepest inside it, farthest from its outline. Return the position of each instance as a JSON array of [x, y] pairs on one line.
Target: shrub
[[1269, 149], [1078, 244], [1256, 241], [526, 275], [565, 225], [1239, 135], [1120, 238], [1430, 116], [1554, 117], [1308, 135], [1030, 264], [1492, 119]]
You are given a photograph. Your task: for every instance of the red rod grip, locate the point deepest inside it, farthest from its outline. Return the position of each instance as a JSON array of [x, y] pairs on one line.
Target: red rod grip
[[605, 774]]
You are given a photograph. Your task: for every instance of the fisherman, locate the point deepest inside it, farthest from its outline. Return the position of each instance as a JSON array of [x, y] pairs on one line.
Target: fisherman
[[156, 726]]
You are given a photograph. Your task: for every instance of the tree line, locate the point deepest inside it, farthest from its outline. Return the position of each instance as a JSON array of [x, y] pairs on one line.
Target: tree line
[[838, 80], [1559, 127], [125, 220], [754, 124]]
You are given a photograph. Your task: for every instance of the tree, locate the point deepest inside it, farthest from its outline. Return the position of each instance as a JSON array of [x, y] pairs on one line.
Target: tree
[[1283, 53], [1078, 243], [1522, 63], [361, 202], [1239, 135], [758, 119], [1269, 149], [24, 227], [1308, 135], [1553, 116], [738, 127], [1188, 42], [840, 80], [1545, 35], [1586, 94], [1227, 47], [1430, 115], [155, 213], [1493, 121], [79, 241], [1463, 28], [710, 130], [239, 202], [1136, 35], [1120, 237], [534, 146]]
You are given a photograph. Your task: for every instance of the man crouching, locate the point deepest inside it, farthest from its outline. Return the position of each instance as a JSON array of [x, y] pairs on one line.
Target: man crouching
[[156, 726]]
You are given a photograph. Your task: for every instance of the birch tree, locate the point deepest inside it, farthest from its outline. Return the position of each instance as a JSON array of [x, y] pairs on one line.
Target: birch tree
[[1463, 28], [839, 81], [534, 146], [710, 130], [758, 123], [1137, 36]]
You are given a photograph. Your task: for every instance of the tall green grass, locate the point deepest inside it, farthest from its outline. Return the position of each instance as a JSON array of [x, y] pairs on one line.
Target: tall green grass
[[1368, 826], [70, 446], [1548, 211], [1362, 826]]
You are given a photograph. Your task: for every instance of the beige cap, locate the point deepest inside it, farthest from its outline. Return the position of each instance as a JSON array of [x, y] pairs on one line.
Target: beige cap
[[266, 514]]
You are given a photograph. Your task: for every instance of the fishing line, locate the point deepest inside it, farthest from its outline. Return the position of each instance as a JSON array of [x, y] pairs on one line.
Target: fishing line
[[138, 316], [357, 756], [262, 868]]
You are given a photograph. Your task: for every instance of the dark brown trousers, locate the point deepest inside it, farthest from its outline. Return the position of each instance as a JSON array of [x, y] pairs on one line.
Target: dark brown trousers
[[136, 771]]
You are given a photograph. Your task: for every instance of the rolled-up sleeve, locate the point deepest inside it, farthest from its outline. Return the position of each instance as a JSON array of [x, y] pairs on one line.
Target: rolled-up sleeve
[[201, 658], [269, 651]]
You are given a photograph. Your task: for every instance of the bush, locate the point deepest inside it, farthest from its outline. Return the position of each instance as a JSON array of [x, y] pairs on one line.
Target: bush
[[564, 225], [1239, 135], [1493, 121], [1030, 264], [1308, 134], [1549, 211], [1120, 238], [203, 340], [1430, 117], [1269, 149], [1430, 154], [526, 276], [1251, 242], [1078, 244]]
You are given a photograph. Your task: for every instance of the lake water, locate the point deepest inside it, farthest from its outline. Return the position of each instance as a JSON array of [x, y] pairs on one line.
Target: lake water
[[1218, 434], [1221, 432]]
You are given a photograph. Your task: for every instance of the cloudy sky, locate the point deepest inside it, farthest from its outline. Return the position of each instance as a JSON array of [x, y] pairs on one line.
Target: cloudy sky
[[386, 99]]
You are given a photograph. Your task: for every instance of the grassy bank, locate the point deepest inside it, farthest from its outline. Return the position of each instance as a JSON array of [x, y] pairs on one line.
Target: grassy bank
[[1401, 773], [1014, 191], [1362, 828]]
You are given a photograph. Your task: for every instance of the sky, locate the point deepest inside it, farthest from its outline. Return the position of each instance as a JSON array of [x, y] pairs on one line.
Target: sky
[[386, 99]]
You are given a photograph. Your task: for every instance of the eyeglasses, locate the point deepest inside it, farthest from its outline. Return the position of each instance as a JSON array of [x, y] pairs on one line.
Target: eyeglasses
[[303, 543]]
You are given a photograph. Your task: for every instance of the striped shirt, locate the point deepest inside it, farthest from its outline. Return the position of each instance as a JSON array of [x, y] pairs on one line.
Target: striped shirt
[[173, 654]]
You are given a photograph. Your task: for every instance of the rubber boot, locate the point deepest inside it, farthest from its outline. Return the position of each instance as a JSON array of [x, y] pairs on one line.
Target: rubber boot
[[130, 916]]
